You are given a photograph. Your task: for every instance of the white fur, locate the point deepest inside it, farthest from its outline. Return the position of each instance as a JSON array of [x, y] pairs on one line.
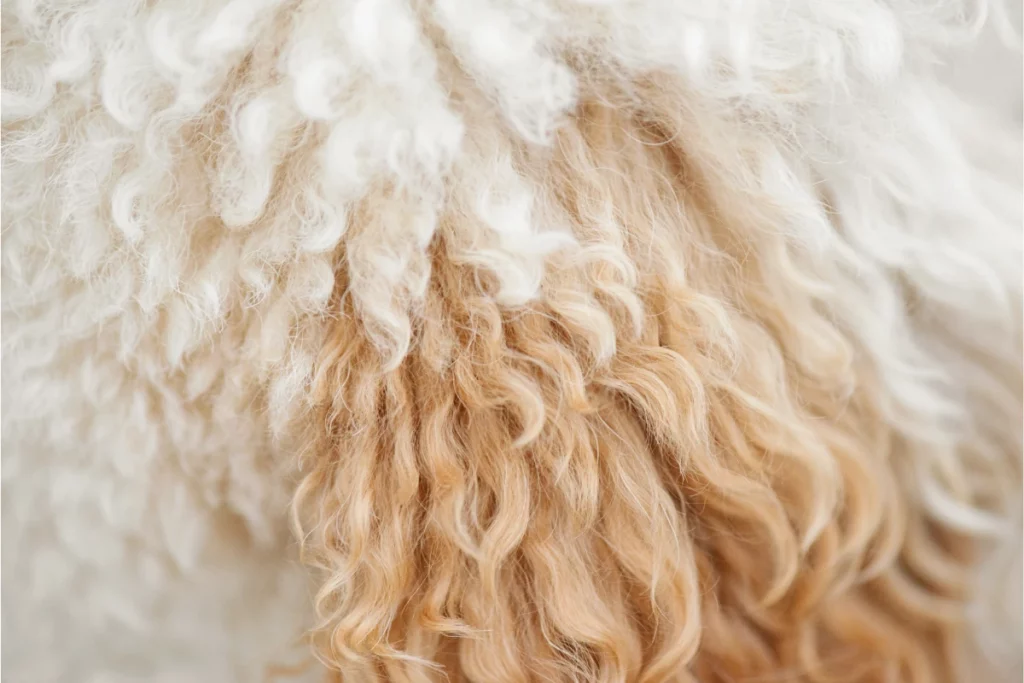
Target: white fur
[[161, 301]]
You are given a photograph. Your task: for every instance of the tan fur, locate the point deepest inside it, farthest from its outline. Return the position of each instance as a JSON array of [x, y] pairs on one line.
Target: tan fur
[[719, 498]]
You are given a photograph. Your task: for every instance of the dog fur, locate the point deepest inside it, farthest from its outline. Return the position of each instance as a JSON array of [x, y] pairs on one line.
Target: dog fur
[[495, 340]]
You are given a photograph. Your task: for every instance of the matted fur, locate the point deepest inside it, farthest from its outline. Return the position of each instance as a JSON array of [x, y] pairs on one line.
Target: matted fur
[[594, 341]]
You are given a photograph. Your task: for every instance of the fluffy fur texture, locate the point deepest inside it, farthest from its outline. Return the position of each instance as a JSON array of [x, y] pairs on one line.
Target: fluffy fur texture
[[631, 340]]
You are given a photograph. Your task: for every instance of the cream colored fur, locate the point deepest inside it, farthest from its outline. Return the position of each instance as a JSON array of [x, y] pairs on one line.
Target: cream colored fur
[[199, 194]]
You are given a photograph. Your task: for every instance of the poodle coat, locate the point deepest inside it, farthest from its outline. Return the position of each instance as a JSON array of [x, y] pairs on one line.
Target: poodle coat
[[501, 341]]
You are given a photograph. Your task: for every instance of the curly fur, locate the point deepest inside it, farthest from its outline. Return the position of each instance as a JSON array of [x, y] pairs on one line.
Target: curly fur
[[622, 340]]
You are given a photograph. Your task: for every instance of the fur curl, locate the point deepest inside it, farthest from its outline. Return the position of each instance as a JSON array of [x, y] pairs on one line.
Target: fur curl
[[597, 341]]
